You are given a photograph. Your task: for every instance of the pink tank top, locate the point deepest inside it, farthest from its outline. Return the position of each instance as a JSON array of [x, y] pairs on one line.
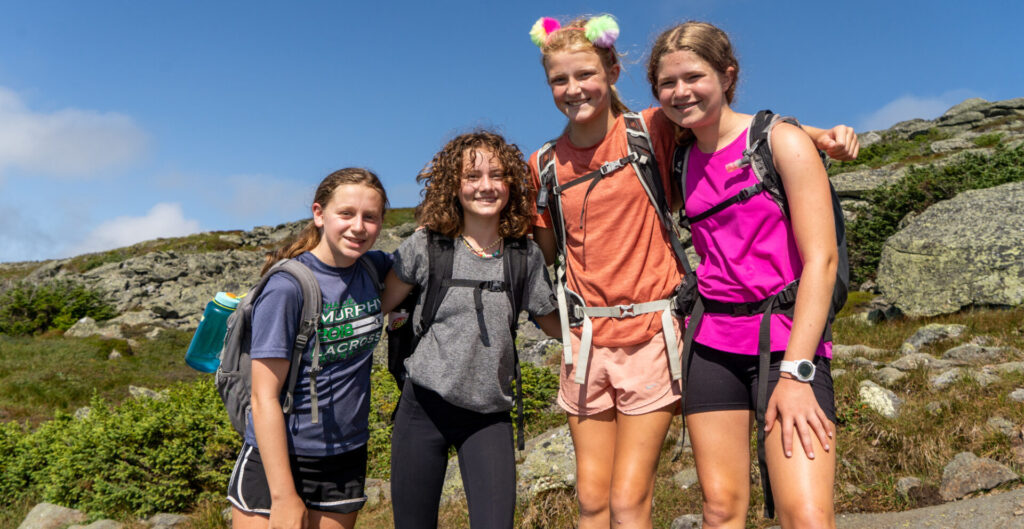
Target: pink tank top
[[747, 251]]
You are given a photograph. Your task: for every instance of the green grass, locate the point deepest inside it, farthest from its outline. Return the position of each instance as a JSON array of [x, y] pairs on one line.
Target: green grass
[[398, 216], [988, 140], [893, 149], [48, 373]]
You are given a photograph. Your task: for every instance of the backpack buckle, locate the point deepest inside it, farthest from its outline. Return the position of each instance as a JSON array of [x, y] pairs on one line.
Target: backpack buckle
[[625, 311], [493, 286]]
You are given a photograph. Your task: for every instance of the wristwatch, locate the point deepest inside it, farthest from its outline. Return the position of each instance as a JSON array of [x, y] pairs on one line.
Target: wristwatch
[[802, 370]]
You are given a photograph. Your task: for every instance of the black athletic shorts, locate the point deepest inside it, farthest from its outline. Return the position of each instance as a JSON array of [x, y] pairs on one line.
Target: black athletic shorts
[[718, 380], [329, 484]]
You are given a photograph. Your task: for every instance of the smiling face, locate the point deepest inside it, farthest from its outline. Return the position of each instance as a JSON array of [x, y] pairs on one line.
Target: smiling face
[[690, 90], [581, 86], [483, 191], [349, 224]]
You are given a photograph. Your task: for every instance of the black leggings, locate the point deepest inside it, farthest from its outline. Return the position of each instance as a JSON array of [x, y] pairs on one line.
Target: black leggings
[[425, 427]]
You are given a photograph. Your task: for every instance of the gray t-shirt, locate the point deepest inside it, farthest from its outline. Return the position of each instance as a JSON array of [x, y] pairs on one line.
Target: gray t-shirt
[[466, 355]]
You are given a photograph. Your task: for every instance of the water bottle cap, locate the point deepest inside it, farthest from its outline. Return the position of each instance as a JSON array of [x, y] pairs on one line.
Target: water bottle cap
[[227, 300]]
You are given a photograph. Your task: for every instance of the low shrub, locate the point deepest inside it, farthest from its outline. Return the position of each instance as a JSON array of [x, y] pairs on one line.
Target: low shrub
[[28, 309], [891, 149]]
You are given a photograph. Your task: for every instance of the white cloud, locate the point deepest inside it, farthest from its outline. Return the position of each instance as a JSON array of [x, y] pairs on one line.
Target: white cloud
[[21, 237], [911, 107], [67, 143], [163, 220]]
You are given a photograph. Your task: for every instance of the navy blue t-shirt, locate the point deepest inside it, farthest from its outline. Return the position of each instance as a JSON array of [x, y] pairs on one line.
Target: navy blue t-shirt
[[350, 327]]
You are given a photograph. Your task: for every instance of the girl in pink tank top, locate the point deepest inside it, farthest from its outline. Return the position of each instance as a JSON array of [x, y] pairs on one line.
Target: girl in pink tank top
[[750, 252]]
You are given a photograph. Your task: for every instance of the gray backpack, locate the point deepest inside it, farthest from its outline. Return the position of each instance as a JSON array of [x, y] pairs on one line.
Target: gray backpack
[[234, 376]]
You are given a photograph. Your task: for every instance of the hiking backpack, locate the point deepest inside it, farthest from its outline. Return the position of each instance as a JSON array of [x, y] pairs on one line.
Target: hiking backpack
[[573, 311], [234, 375], [758, 155], [403, 339]]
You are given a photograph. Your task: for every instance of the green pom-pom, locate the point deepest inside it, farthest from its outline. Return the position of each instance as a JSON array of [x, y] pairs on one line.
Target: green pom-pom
[[602, 30]]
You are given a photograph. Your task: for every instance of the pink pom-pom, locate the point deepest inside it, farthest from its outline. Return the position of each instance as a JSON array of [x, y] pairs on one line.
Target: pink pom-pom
[[550, 25]]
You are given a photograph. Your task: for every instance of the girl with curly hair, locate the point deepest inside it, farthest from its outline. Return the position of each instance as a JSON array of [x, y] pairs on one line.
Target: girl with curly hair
[[458, 391]]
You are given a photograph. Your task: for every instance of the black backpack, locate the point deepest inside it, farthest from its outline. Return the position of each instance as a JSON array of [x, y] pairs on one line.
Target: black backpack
[[402, 341], [758, 154]]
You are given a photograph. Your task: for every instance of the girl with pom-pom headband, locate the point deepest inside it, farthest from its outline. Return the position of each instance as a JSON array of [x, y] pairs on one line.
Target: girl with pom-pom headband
[[601, 31]]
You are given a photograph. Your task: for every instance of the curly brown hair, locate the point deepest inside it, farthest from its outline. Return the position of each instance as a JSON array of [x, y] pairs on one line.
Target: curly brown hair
[[441, 210]]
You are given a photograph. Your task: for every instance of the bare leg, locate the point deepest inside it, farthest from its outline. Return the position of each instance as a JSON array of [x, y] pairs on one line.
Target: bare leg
[[802, 486], [639, 439], [721, 448], [593, 438]]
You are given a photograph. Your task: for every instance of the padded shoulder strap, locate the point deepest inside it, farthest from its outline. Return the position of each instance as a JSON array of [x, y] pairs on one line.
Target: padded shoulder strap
[[638, 140], [516, 274], [440, 258], [312, 306], [546, 175]]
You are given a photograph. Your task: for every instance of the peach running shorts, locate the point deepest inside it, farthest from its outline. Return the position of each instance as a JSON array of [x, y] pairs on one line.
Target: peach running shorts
[[634, 379]]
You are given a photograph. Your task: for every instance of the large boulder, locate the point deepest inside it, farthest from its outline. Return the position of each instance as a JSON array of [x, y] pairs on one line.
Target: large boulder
[[960, 252]]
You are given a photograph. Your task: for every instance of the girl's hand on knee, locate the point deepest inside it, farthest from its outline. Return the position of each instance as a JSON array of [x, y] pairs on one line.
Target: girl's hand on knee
[[794, 406], [288, 513]]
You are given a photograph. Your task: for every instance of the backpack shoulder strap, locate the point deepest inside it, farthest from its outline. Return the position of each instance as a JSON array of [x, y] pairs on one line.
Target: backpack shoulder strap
[[546, 174], [440, 259], [312, 306], [759, 155], [371, 268], [638, 140], [516, 273]]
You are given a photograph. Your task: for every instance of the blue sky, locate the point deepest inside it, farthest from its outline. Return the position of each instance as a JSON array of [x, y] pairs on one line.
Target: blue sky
[[122, 121]]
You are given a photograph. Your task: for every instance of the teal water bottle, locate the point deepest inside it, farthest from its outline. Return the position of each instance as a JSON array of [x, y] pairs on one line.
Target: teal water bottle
[[204, 351]]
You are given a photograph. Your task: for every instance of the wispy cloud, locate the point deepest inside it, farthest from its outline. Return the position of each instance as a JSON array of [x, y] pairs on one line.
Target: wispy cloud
[[911, 107], [21, 237], [67, 143], [163, 220]]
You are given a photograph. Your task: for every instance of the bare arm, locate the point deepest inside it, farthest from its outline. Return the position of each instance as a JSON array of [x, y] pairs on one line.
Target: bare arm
[[395, 290], [550, 325], [839, 142], [810, 207], [287, 510], [545, 238]]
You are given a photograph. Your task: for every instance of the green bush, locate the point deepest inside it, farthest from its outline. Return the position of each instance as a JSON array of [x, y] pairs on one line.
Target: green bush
[[988, 140], [142, 457], [921, 187], [32, 309]]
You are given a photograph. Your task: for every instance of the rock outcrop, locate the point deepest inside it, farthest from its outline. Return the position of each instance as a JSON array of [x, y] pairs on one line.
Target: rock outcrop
[[961, 252]]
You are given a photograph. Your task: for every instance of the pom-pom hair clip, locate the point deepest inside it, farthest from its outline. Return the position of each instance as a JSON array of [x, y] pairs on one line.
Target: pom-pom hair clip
[[601, 31]]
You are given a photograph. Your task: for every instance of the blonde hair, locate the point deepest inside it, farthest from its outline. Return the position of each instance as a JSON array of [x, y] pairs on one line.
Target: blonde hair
[[309, 237], [706, 41], [441, 210], [570, 38]]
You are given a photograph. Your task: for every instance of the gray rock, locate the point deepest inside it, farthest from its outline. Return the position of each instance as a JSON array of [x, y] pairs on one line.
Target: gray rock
[[961, 118], [856, 184], [1002, 426], [1010, 367], [946, 378], [83, 412], [968, 473], [100, 524], [166, 521], [972, 354], [377, 491], [140, 392], [114, 355], [914, 361], [685, 478], [973, 104], [960, 252], [867, 138], [688, 521], [905, 484], [929, 334], [882, 400], [952, 144], [911, 127], [838, 372], [849, 351], [860, 361], [50, 516], [549, 464], [537, 353], [1017, 395], [984, 377], [887, 376]]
